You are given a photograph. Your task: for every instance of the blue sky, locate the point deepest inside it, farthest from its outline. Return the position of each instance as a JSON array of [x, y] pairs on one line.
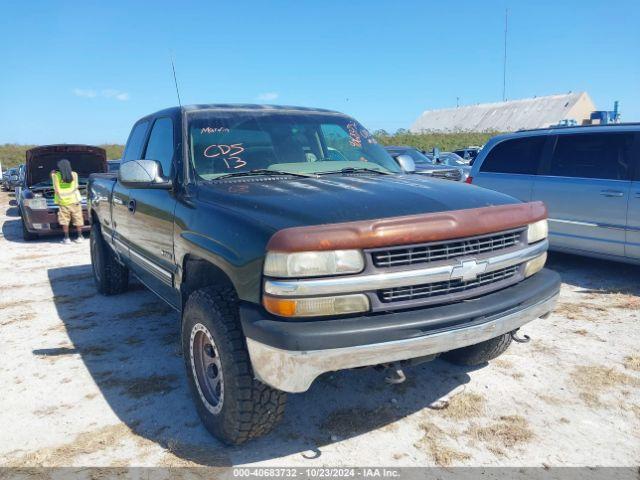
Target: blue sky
[[85, 71]]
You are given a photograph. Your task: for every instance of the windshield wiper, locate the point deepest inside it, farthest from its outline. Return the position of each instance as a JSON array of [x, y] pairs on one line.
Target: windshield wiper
[[261, 171], [355, 170]]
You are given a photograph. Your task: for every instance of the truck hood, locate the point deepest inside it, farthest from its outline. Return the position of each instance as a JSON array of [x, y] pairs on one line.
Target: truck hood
[[283, 203], [85, 160]]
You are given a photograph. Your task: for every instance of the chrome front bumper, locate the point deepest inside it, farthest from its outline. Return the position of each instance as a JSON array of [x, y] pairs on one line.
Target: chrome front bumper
[[294, 371]]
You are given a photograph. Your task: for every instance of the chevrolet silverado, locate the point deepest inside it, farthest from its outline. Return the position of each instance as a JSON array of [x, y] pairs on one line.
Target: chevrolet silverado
[[292, 245]]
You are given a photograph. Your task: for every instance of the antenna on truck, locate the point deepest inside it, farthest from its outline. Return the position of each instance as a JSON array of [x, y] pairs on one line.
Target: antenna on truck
[[175, 79]]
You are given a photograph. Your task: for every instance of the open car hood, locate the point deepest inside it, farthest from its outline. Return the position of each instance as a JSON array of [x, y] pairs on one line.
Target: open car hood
[[85, 160]]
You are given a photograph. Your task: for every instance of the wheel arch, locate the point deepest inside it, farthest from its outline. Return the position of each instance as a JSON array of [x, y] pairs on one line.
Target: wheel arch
[[199, 272]]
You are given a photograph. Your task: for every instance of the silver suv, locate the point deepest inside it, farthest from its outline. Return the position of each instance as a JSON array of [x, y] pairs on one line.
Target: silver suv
[[589, 178]]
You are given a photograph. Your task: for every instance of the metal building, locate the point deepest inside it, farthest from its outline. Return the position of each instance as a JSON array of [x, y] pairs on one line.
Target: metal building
[[538, 112]]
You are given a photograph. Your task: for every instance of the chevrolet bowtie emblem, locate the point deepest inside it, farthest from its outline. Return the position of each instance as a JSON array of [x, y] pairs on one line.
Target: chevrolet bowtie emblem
[[468, 270]]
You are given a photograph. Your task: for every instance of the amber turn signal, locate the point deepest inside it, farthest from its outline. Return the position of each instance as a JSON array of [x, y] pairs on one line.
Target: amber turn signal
[[316, 306]]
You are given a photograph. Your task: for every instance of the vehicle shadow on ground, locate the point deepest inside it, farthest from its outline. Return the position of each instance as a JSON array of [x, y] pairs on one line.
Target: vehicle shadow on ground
[[130, 345], [12, 232], [594, 275], [12, 212]]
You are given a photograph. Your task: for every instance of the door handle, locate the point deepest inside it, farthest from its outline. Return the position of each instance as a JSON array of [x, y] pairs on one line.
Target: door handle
[[132, 205], [611, 193], [637, 194]]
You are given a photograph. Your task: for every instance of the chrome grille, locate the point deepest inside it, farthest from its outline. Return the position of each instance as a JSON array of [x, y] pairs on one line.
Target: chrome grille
[[454, 174], [416, 292], [400, 256]]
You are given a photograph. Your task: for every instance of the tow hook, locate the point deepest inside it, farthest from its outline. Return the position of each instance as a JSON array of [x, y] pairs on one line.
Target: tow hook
[[396, 376], [518, 339]]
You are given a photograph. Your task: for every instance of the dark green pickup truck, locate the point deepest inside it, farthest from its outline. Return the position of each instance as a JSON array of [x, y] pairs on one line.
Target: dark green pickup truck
[[292, 245]]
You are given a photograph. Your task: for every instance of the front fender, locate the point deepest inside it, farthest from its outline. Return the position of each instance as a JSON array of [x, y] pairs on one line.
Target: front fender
[[233, 243]]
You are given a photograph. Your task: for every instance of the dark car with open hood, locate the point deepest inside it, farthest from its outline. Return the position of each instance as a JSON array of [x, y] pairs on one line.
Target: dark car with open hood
[[36, 204], [293, 245]]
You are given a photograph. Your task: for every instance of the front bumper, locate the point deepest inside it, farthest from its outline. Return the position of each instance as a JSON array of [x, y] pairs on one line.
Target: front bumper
[[290, 355], [45, 222]]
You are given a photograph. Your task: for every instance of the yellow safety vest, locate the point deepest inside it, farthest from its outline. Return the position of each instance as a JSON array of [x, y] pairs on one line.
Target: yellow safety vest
[[69, 193]]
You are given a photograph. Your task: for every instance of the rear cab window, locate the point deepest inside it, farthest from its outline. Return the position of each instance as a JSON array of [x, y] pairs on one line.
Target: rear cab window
[[516, 156]]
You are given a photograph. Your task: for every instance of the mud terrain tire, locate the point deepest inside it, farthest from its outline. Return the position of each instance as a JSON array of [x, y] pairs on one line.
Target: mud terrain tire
[[109, 275], [232, 404]]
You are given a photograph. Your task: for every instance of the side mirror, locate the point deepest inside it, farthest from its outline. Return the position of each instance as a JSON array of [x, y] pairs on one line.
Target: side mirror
[[143, 174], [406, 163]]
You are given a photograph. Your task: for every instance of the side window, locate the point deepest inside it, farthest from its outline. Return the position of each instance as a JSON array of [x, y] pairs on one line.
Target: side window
[[160, 146], [520, 155], [133, 150], [596, 155], [635, 158]]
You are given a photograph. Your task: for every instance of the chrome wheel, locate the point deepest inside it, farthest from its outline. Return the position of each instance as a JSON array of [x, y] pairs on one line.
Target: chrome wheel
[[206, 368]]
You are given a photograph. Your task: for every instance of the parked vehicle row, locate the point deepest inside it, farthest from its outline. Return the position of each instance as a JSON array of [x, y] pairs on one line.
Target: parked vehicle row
[[10, 179], [422, 164], [451, 159], [293, 245], [468, 153], [588, 177]]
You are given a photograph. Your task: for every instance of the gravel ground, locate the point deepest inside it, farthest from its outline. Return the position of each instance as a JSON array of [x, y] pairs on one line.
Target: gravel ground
[[93, 381]]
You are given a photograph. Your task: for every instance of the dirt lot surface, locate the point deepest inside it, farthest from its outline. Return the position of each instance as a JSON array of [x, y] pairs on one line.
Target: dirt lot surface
[[88, 380]]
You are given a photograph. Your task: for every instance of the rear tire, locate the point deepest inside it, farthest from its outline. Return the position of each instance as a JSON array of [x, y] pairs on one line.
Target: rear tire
[[232, 404], [110, 276], [26, 234], [480, 352]]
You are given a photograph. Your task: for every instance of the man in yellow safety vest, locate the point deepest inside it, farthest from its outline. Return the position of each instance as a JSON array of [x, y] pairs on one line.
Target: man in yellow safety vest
[[68, 198]]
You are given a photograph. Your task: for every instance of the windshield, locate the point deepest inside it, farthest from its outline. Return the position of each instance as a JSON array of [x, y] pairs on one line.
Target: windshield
[[304, 143]]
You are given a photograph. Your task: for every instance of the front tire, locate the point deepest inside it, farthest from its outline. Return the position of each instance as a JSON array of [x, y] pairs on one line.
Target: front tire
[[232, 404], [109, 275], [480, 352]]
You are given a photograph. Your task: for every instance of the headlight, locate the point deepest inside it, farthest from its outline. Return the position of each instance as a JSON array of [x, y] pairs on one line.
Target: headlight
[[313, 264], [537, 231], [314, 307], [535, 265], [38, 203]]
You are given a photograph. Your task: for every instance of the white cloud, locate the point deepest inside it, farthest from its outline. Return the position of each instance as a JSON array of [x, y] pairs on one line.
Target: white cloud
[[81, 92], [117, 94], [268, 96], [106, 93]]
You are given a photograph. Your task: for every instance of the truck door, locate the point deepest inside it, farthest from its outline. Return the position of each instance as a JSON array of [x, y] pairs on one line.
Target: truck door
[[151, 213], [120, 214], [632, 247], [585, 186]]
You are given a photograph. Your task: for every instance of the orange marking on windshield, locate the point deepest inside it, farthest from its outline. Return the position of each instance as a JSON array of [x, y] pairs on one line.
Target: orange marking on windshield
[[354, 137]]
